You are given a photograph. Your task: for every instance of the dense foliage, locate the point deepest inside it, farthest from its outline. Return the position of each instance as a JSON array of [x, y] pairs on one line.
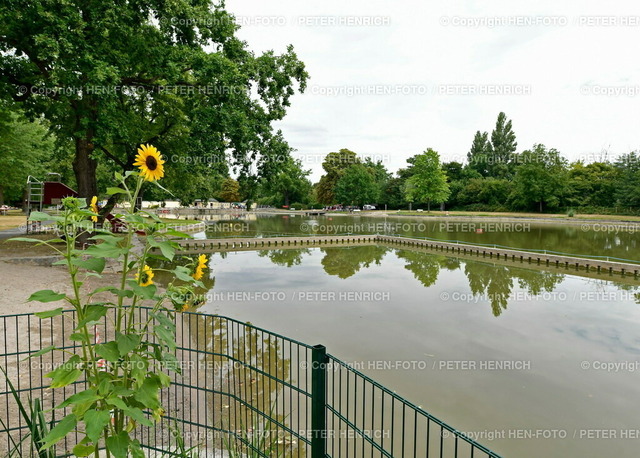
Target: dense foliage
[[109, 75]]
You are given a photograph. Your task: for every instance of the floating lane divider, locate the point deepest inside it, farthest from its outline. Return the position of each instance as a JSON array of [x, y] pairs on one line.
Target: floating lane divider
[[548, 258], [265, 243], [507, 254]]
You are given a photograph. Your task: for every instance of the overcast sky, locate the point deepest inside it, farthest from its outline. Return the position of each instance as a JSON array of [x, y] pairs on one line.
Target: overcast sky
[[391, 78]]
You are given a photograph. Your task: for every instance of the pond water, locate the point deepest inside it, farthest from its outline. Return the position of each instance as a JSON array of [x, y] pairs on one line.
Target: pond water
[[528, 362], [618, 240]]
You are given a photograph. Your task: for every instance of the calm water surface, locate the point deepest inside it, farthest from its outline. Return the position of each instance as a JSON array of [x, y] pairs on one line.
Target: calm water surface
[[499, 351], [555, 335], [619, 240]]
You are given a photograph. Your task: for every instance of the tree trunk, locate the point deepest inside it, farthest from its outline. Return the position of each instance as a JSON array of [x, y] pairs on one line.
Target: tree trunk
[[540, 206], [1, 195], [108, 207], [84, 167], [286, 199]]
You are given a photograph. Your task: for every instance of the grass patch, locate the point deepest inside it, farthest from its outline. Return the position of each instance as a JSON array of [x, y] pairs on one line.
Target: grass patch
[[13, 219]]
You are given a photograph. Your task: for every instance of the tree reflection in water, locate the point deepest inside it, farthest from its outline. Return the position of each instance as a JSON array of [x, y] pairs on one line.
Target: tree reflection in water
[[426, 267], [496, 282], [493, 281], [225, 353], [347, 261], [285, 258]]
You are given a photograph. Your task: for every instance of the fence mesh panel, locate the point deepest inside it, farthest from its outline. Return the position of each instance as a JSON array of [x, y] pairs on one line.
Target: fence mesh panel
[[240, 386]]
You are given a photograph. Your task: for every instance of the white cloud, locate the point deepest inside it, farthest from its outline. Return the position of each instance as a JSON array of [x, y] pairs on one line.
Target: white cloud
[[423, 44]]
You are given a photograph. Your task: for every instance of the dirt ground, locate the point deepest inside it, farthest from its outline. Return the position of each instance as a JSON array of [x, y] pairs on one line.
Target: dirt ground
[[11, 249], [18, 280], [25, 268]]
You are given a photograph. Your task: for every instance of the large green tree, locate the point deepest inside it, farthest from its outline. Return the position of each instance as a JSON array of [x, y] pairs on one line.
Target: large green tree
[[486, 193], [428, 181], [110, 75], [503, 148], [628, 184], [289, 184], [230, 191], [392, 194], [25, 149], [540, 178], [357, 186], [380, 174], [334, 165], [592, 185], [479, 156]]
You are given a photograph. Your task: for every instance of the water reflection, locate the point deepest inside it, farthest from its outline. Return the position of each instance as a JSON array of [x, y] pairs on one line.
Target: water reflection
[[347, 261], [496, 282], [285, 258], [587, 318], [425, 269], [491, 281], [620, 240]]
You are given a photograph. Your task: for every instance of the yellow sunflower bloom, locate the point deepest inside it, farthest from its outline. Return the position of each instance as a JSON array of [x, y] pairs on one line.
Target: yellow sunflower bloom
[[94, 208], [158, 414], [202, 264], [146, 278], [150, 163]]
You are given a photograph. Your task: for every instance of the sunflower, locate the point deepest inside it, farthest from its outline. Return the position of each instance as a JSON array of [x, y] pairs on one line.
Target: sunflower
[[146, 278], [158, 413], [150, 163], [202, 264], [183, 298], [94, 208]]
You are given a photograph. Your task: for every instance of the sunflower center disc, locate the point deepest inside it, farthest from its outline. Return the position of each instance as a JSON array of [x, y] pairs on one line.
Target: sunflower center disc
[[151, 163]]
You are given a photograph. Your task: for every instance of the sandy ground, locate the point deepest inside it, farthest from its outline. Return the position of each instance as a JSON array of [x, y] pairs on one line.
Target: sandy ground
[[18, 280], [26, 268]]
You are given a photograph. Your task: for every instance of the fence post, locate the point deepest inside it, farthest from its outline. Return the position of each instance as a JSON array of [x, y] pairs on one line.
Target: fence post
[[318, 401]]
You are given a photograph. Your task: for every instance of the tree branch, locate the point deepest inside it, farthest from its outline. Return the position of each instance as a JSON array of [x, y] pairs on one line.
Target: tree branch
[[112, 157]]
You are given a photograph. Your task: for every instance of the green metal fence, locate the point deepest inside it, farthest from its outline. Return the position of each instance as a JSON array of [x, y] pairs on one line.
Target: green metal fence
[[242, 388]]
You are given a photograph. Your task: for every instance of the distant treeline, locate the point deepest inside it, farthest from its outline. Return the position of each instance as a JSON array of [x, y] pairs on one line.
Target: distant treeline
[[495, 177]]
